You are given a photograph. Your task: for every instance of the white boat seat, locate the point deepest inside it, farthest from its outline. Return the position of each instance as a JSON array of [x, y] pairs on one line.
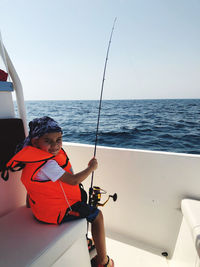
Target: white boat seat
[[6, 86], [191, 212], [27, 242]]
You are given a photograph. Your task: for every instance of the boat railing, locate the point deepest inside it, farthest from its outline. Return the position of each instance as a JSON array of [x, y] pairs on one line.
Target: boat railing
[[16, 85]]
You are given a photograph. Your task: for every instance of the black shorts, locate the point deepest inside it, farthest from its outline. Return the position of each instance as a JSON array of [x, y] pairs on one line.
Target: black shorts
[[84, 210]]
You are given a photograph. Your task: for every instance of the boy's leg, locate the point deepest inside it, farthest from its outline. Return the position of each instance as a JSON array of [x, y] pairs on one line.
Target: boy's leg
[[98, 234], [95, 217]]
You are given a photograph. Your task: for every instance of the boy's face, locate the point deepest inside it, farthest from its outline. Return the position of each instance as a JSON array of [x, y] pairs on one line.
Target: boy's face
[[49, 142]]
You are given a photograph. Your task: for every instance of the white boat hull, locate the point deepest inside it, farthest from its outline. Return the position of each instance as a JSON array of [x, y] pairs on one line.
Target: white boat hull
[[150, 187]]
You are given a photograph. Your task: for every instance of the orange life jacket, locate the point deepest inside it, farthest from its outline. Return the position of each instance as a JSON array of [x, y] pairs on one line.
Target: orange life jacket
[[47, 199]]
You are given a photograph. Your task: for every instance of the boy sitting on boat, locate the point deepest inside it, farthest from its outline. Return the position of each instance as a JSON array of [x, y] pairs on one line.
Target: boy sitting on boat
[[54, 192]]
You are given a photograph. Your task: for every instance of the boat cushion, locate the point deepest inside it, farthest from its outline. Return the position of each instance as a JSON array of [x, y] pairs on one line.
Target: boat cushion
[[12, 133], [6, 86], [191, 212], [27, 242], [3, 75]]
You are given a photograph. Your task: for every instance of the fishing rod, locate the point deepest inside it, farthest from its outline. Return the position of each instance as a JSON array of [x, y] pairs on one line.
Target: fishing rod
[[95, 192]]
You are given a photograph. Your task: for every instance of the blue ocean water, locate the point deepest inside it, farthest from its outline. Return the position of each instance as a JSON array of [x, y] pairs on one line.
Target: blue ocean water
[[159, 125]]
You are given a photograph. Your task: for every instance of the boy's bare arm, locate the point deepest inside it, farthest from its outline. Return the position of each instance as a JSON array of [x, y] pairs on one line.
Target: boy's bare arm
[[74, 179]]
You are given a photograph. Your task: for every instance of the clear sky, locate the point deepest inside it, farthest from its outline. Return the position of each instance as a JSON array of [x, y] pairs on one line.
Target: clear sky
[[59, 47]]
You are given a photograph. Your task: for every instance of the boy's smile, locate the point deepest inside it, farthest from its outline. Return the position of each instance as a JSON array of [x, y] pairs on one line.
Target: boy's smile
[[49, 142]]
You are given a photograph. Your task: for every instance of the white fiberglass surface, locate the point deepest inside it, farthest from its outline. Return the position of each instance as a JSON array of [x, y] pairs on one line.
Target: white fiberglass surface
[[150, 187], [126, 255]]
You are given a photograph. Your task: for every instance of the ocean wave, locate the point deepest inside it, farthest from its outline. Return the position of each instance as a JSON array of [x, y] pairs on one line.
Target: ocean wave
[[163, 125]]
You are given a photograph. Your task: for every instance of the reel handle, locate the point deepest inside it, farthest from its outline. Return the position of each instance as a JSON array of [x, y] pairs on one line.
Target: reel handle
[[114, 197]]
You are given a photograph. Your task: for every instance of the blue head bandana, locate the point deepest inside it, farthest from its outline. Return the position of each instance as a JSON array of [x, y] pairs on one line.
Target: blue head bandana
[[38, 127]]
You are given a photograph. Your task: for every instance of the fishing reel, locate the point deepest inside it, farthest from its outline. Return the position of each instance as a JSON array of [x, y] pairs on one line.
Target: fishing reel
[[95, 196]]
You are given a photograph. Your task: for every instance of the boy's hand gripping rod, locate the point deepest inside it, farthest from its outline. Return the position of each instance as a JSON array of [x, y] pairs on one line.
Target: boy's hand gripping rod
[[95, 192]]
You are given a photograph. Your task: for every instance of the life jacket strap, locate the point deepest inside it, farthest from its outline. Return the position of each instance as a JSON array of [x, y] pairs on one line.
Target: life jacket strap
[[5, 172], [66, 163]]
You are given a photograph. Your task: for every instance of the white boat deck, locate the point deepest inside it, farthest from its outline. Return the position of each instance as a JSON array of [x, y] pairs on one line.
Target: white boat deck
[[126, 255]]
